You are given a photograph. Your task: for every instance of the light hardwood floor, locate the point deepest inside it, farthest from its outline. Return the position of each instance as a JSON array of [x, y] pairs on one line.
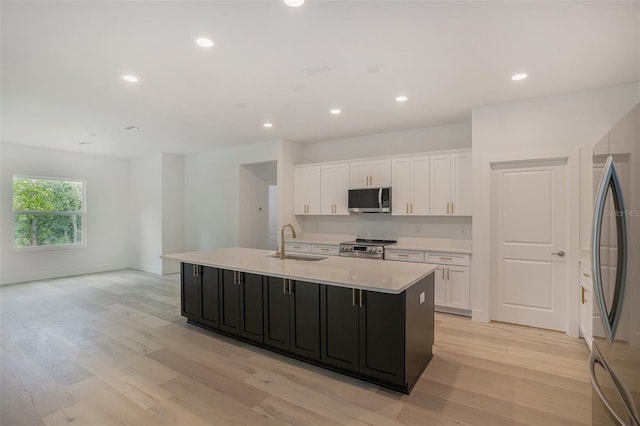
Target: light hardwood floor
[[111, 348]]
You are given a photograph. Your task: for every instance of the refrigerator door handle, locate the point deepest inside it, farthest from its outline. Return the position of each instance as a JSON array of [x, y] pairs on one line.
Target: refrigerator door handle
[[596, 358], [609, 180]]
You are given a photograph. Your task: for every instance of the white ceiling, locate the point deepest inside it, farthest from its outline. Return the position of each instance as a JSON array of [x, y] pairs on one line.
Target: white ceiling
[[62, 64]]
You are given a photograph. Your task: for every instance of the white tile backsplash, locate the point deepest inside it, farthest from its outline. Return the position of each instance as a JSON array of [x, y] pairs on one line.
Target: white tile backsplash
[[389, 227]]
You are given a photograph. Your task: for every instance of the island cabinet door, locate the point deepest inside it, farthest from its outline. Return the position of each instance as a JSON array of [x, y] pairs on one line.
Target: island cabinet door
[[189, 291], [382, 339], [229, 302], [339, 327], [305, 319], [210, 296], [277, 316], [251, 305]]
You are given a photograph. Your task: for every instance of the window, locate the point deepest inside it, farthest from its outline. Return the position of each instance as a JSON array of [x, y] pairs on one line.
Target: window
[[48, 212]]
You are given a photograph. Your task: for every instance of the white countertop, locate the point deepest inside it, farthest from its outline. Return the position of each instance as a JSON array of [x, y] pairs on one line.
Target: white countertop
[[366, 274]]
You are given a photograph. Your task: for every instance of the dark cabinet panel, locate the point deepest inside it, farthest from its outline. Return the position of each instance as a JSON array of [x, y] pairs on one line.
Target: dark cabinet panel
[[189, 291], [382, 340], [210, 301], [305, 319], [340, 328], [229, 302], [292, 316], [277, 316], [251, 305]]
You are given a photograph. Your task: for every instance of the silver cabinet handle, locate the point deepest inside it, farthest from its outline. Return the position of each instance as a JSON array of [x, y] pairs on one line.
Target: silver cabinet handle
[[402, 255], [360, 302], [353, 297], [558, 253], [447, 208], [284, 285], [448, 274], [193, 268], [290, 287], [453, 208], [443, 272], [411, 208]]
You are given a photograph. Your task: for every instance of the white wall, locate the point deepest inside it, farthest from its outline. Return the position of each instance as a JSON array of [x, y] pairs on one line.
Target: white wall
[[107, 220], [565, 122], [436, 138], [146, 213], [172, 209], [212, 192]]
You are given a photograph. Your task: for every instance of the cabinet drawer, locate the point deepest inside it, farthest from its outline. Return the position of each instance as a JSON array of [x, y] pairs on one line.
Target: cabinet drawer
[[298, 247], [447, 259], [404, 255], [328, 250]]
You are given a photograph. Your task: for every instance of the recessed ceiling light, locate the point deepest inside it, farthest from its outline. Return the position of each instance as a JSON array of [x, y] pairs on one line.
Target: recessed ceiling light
[[294, 3], [130, 78], [521, 76], [85, 143], [204, 42], [268, 125], [401, 99], [336, 111]]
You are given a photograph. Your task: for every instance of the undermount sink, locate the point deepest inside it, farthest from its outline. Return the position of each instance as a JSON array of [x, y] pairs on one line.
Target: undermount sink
[[298, 257]]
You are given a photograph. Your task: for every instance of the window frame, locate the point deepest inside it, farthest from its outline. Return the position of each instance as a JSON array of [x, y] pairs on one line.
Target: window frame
[[82, 213]]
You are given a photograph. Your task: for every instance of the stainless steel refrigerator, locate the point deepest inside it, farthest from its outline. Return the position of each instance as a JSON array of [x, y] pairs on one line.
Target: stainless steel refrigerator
[[614, 363]]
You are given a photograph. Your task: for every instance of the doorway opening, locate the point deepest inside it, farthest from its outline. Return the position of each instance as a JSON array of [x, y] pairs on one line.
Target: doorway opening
[[258, 205]]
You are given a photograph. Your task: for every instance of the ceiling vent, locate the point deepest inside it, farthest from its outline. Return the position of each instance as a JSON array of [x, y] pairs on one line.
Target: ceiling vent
[[132, 128], [316, 69]]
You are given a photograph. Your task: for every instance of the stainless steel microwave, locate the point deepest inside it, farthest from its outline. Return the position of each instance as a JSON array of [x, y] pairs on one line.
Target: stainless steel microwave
[[370, 200]]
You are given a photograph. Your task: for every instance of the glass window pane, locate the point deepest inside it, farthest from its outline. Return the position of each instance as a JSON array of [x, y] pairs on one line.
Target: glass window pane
[[32, 230], [36, 194]]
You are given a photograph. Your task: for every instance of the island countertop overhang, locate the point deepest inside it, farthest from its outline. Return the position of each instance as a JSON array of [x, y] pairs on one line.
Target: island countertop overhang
[[364, 274]]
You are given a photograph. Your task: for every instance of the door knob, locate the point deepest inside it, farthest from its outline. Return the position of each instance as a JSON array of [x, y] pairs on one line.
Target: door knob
[[559, 253]]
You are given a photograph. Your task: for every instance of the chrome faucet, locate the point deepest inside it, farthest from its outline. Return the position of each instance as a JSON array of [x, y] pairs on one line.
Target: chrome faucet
[[293, 231]]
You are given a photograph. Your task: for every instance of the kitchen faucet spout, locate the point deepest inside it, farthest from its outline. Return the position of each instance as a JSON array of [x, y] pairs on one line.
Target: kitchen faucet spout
[[293, 232]]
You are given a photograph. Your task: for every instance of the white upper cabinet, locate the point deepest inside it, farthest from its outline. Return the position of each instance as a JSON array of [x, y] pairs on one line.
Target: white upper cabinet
[[410, 186], [461, 197], [370, 174], [334, 184], [306, 192], [450, 184]]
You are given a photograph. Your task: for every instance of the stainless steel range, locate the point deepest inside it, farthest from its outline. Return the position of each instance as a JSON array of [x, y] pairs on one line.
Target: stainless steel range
[[365, 248]]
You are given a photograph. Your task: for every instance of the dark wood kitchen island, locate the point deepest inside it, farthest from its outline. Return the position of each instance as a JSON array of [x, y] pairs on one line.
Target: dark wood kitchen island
[[365, 318]]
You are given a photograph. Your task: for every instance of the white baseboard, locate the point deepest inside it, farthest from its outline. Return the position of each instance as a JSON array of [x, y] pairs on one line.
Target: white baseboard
[[147, 268], [52, 274]]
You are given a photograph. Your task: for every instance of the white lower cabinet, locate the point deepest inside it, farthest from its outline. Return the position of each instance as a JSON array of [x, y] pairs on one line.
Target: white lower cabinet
[[324, 249], [297, 247], [451, 279], [452, 286]]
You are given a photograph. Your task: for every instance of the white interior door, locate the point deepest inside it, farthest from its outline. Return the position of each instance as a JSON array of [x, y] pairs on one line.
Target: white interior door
[[530, 237]]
